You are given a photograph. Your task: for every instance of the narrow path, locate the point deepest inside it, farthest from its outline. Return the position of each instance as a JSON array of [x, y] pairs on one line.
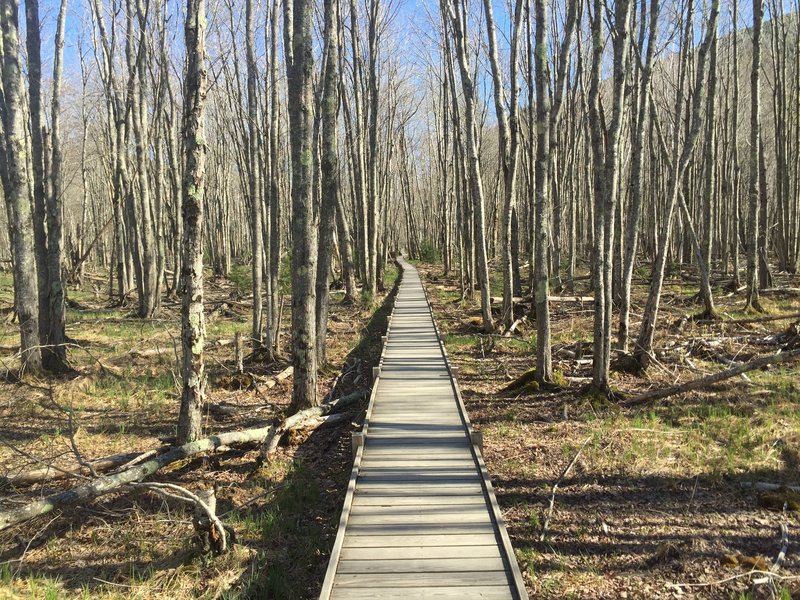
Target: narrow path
[[420, 519]]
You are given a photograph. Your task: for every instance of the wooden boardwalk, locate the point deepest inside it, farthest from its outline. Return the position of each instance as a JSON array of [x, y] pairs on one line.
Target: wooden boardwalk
[[420, 519]]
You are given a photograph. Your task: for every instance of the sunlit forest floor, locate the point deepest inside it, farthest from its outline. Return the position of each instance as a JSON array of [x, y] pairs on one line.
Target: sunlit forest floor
[[124, 398], [658, 496]]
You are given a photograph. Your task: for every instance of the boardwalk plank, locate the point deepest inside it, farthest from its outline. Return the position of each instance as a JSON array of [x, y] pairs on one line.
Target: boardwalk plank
[[423, 593], [419, 552], [422, 566]]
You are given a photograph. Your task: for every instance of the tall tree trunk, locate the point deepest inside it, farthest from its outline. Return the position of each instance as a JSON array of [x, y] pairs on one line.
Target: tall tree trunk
[[275, 300], [541, 287], [329, 170], [300, 69], [458, 22], [547, 112], [636, 176], [753, 300], [253, 187], [18, 198], [39, 176], [56, 357], [508, 140], [192, 317], [709, 189]]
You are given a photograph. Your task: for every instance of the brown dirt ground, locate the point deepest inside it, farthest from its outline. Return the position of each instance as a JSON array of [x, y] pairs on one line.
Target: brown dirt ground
[[654, 506]]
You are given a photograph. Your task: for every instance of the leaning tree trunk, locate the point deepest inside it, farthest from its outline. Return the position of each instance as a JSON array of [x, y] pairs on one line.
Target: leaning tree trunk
[[677, 169], [18, 198], [192, 318], [304, 240]]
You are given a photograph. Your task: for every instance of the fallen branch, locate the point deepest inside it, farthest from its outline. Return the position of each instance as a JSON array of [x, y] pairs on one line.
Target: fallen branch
[[766, 486], [298, 419], [51, 473], [760, 580], [271, 382], [110, 483], [702, 382], [565, 472], [551, 299], [784, 548], [206, 506], [750, 320]]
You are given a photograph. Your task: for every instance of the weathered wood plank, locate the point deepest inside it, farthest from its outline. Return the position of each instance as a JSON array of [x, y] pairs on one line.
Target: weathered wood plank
[[421, 566], [420, 552], [403, 541], [401, 580], [420, 528], [477, 516], [423, 593], [413, 500]]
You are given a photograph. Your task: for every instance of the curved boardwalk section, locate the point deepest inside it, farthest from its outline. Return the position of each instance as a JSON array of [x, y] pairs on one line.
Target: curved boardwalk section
[[420, 519]]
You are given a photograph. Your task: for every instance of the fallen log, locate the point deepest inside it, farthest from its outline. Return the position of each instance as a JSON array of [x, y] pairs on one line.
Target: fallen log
[[272, 440], [271, 382], [551, 299], [765, 319], [702, 382], [109, 483], [50, 473], [768, 486], [159, 351]]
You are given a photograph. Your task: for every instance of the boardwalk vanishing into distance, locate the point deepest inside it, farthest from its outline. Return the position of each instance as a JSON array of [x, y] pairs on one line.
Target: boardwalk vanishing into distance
[[420, 519]]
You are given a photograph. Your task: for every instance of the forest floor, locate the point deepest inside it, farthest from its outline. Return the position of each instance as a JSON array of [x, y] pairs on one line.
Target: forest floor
[[124, 397], [655, 505]]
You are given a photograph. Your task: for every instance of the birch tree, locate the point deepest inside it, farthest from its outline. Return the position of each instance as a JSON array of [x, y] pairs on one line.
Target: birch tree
[[17, 190]]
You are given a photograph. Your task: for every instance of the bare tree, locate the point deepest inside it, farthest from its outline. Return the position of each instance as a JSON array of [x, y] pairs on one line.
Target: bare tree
[[300, 70], [192, 317], [17, 190], [455, 12], [753, 300], [329, 170]]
